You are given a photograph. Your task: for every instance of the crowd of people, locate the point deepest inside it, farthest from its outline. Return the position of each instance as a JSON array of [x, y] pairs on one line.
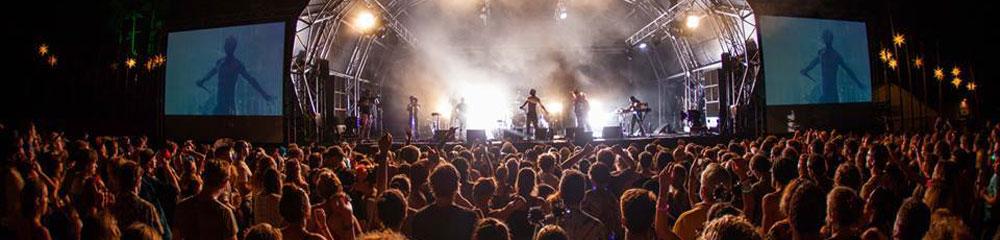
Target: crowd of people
[[940, 184]]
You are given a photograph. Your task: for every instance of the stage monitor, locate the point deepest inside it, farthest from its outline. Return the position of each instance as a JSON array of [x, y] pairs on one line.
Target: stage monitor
[[226, 71], [227, 82], [815, 61]]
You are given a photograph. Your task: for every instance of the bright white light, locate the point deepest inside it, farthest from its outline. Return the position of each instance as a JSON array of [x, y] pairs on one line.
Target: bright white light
[[642, 46], [599, 116], [365, 21], [693, 21], [563, 15], [485, 104], [554, 107], [443, 108]]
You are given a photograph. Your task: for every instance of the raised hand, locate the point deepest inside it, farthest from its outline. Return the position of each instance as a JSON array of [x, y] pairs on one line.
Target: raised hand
[[385, 142]]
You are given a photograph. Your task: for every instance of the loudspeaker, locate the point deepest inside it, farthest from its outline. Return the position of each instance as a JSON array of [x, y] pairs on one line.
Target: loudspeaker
[[475, 135], [612, 132], [542, 134], [512, 134], [572, 132], [440, 135], [583, 137], [664, 129]]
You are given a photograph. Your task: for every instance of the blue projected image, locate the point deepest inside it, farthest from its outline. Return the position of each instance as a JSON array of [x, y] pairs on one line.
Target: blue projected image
[[228, 71], [815, 61]]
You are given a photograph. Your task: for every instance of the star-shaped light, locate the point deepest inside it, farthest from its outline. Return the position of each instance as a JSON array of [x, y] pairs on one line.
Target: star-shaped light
[[43, 49], [884, 55], [893, 63], [898, 39], [919, 62], [939, 73], [53, 60], [957, 82], [955, 71], [130, 62], [159, 60], [971, 86]]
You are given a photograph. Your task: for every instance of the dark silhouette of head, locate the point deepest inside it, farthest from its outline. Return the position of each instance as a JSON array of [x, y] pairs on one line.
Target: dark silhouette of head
[[827, 37], [531, 92], [230, 45]]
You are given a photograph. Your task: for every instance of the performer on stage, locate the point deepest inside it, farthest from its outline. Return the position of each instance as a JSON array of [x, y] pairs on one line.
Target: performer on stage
[[531, 112], [638, 110], [458, 119], [414, 109], [581, 108], [365, 103]]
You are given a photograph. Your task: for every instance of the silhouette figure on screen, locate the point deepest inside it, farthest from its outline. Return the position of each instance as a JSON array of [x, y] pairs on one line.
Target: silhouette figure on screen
[[229, 68], [830, 61]]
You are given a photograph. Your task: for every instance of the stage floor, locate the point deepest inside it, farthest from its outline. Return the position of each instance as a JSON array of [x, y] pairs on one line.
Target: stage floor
[[668, 139]]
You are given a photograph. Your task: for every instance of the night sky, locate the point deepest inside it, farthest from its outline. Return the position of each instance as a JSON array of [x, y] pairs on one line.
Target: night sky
[[84, 37]]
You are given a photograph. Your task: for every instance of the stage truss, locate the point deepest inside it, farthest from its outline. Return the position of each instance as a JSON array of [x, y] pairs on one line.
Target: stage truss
[[322, 20], [735, 28], [317, 31]]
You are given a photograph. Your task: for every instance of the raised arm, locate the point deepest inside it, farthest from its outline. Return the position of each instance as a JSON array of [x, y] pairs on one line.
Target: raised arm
[[850, 73], [382, 160], [573, 159], [661, 221], [254, 83]]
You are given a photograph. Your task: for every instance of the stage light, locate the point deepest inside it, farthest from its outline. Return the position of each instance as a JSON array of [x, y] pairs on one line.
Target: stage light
[[642, 46], [957, 82], [919, 62], [600, 116], [692, 21], [971, 86], [52, 60], [443, 108], [892, 64], [884, 55], [43, 49], [898, 39], [955, 71], [130, 62], [939, 73], [365, 21], [563, 15], [554, 107], [486, 105]]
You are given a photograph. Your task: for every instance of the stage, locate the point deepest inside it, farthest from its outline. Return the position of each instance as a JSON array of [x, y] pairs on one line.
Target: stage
[[669, 139]]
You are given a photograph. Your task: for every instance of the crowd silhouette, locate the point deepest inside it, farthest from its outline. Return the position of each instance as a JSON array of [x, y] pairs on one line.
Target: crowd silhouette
[[814, 184]]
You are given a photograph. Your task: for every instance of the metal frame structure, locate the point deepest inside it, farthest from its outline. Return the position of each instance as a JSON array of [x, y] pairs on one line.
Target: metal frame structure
[[319, 25], [730, 17], [322, 20]]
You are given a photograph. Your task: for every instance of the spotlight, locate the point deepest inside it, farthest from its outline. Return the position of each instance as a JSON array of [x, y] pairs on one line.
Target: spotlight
[[693, 21], [53, 60], [443, 107], [642, 46], [365, 21], [563, 15], [555, 107]]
